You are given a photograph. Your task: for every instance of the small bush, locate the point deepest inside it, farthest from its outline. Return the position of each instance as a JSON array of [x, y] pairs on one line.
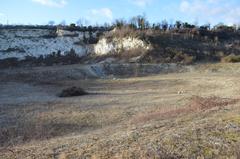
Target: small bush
[[173, 55], [231, 59], [9, 62], [72, 92], [183, 58]]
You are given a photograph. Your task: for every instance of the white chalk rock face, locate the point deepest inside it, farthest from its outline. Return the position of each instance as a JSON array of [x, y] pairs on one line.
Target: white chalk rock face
[[117, 45], [20, 43], [35, 42], [103, 47]]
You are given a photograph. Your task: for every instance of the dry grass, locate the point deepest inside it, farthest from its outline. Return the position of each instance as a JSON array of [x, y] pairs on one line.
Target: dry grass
[[24, 127], [128, 118], [123, 32], [231, 59], [200, 103], [196, 104]]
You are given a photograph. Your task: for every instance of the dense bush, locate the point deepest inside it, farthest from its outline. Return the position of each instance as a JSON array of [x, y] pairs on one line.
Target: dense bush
[[73, 91]]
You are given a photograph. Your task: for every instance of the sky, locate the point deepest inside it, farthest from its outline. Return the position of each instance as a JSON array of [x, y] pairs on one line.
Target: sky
[[91, 12]]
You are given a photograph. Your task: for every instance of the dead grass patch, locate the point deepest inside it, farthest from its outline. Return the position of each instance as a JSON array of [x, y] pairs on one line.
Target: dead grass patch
[[231, 59], [196, 104], [201, 103]]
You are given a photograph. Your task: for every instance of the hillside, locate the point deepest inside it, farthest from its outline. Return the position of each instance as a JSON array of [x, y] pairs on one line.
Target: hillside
[[58, 45], [119, 92], [191, 112]]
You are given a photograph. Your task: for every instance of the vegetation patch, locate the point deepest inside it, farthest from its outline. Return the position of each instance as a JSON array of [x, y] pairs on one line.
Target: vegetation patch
[[55, 58], [72, 92], [202, 103], [196, 103], [231, 59]]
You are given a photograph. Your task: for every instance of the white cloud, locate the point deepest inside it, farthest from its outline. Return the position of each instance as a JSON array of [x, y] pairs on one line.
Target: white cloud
[[141, 3], [212, 11], [52, 3], [184, 6], [104, 12]]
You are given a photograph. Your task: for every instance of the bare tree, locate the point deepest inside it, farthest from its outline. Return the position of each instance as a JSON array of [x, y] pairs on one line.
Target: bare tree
[[119, 23], [164, 25], [79, 22], [141, 21], [82, 22], [133, 22]]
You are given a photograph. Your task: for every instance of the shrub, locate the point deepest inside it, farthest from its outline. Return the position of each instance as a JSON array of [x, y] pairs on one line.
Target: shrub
[[231, 59], [183, 58], [178, 56], [128, 54], [72, 91], [122, 33], [9, 62]]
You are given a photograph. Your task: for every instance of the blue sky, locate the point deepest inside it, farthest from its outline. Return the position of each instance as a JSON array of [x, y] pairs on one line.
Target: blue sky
[[99, 11]]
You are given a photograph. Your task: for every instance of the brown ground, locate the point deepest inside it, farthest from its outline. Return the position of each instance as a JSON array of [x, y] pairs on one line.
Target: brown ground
[[178, 115]]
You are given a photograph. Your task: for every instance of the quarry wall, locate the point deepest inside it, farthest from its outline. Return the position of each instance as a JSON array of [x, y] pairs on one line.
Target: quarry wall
[[22, 42]]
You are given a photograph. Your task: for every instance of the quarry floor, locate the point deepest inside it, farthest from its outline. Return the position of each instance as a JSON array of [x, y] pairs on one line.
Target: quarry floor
[[192, 114]]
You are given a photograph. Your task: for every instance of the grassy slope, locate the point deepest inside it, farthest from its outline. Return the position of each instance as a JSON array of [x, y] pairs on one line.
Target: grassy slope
[[129, 118]]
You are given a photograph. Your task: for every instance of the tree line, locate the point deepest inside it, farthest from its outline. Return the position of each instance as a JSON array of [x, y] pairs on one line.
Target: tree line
[[139, 22]]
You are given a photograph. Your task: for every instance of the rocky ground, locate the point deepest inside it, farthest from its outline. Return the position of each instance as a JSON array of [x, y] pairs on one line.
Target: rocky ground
[[190, 112]]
